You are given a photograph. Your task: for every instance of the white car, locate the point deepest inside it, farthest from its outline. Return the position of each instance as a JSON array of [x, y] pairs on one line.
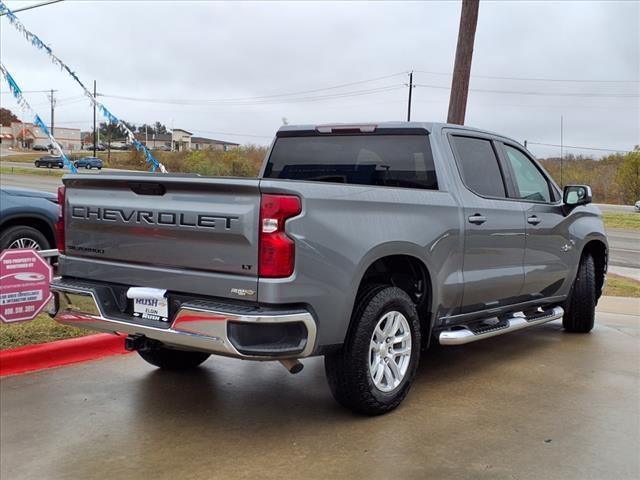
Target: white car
[[638, 206]]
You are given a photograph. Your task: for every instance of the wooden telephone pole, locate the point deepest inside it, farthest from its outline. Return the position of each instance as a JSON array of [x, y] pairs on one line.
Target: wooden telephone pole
[[462, 68]]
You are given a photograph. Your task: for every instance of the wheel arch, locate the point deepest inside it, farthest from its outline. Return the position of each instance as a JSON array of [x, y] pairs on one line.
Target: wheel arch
[[406, 269], [42, 224], [598, 250]]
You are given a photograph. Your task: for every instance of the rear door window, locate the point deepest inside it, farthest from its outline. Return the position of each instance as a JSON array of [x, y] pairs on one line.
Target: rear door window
[[384, 160], [479, 166]]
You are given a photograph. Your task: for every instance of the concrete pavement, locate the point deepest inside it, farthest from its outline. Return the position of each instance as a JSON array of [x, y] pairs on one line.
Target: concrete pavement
[[539, 403]]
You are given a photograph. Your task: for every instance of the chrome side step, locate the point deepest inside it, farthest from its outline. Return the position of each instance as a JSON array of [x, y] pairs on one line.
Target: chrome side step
[[516, 322]]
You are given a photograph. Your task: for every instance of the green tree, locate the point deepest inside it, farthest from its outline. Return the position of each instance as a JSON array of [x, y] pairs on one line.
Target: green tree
[[628, 176]]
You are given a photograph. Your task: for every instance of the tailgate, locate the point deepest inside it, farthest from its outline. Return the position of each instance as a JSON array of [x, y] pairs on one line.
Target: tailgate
[[175, 222]]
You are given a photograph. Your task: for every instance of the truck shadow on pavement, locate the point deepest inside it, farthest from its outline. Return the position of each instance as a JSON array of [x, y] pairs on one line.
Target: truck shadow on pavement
[[228, 392]]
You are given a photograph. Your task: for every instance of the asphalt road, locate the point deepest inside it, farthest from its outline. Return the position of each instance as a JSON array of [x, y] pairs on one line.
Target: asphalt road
[[32, 166], [539, 403], [616, 208], [624, 247]]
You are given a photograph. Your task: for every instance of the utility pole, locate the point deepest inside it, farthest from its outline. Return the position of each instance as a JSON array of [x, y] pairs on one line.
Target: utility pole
[[95, 140], [410, 90], [53, 105], [561, 148], [462, 67]]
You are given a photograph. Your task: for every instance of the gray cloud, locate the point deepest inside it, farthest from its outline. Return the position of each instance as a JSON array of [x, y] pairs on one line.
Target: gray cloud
[[217, 50]]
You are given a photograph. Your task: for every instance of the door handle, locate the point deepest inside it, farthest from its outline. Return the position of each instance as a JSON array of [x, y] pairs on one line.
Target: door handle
[[478, 219], [533, 220]]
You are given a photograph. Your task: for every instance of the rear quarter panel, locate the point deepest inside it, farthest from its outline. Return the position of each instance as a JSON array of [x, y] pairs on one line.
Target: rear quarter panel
[[344, 228]]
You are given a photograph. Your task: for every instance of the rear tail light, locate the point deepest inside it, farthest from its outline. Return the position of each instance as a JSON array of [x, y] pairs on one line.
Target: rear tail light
[[277, 249], [60, 223]]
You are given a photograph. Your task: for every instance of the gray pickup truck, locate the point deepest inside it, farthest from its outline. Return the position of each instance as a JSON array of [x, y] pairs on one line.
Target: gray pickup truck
[[362, 243]]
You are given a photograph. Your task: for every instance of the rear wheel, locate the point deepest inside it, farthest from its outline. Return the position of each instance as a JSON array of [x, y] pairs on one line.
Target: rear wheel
[[581, 307], [375, 368], [169, 359]]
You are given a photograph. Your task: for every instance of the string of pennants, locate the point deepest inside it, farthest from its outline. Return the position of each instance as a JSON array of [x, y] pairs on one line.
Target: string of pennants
[[37, 121], [40, 45]]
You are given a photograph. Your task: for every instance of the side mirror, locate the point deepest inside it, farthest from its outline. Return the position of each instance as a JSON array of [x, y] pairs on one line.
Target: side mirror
[[575, 195]]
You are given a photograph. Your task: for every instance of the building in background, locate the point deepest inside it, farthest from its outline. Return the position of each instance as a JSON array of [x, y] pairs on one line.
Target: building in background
[[201, 143], [180, 140], [27, 135]]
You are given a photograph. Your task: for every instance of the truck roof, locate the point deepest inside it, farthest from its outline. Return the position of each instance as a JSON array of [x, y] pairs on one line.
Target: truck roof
[[430, 127]]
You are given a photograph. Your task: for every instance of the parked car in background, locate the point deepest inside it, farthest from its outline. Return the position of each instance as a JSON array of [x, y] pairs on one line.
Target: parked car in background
[[99, 148], [637, 205], [40, 148], [88, 163], [49, 161], [27, 218]]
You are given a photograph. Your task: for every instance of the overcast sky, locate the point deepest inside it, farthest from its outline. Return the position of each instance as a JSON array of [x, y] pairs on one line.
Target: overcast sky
[[199, 53]]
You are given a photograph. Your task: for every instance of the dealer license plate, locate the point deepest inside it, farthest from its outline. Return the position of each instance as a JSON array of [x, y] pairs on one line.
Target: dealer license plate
[[149, 303]]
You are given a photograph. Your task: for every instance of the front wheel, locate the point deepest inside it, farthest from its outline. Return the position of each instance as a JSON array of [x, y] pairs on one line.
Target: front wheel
[[374, 369], [581, 306], [87, 166], [169, 359]]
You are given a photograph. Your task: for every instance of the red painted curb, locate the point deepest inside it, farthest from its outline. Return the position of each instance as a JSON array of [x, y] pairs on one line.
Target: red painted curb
[[61, 352]]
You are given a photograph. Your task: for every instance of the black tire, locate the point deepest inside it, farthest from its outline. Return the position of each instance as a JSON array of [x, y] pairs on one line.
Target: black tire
[[12, 234], [87, 166], [37, 164], [169, 359], [347, 369], [580, 311], [75, 164]]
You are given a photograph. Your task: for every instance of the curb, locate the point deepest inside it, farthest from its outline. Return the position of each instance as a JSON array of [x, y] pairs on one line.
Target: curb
[[61, 352]]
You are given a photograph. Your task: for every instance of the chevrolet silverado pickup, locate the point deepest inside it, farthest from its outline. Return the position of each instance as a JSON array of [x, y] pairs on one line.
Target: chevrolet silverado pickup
[[364, 244]]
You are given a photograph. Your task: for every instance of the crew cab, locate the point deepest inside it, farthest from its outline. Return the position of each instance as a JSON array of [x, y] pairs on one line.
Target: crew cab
[[362, 243]]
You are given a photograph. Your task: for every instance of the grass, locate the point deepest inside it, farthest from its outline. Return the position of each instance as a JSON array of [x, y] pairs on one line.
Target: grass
[[23, 158], [40, 330], [47, 172], [630, 221], [618, 286]]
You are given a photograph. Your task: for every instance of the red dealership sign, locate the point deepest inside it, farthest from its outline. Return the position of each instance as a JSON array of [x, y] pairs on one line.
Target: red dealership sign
[[24, 285]]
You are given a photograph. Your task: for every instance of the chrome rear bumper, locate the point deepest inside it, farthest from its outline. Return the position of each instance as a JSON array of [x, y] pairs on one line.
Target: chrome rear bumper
[[195, 326]]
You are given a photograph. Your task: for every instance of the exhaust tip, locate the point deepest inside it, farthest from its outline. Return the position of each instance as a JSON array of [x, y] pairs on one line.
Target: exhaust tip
[[292, 365]]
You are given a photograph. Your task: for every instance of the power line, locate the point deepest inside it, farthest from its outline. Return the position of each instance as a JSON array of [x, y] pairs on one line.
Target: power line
[[495, 77], [272, 101], [28, 91], [581, 148], [255, 98], [43, 4], [546, 94]]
